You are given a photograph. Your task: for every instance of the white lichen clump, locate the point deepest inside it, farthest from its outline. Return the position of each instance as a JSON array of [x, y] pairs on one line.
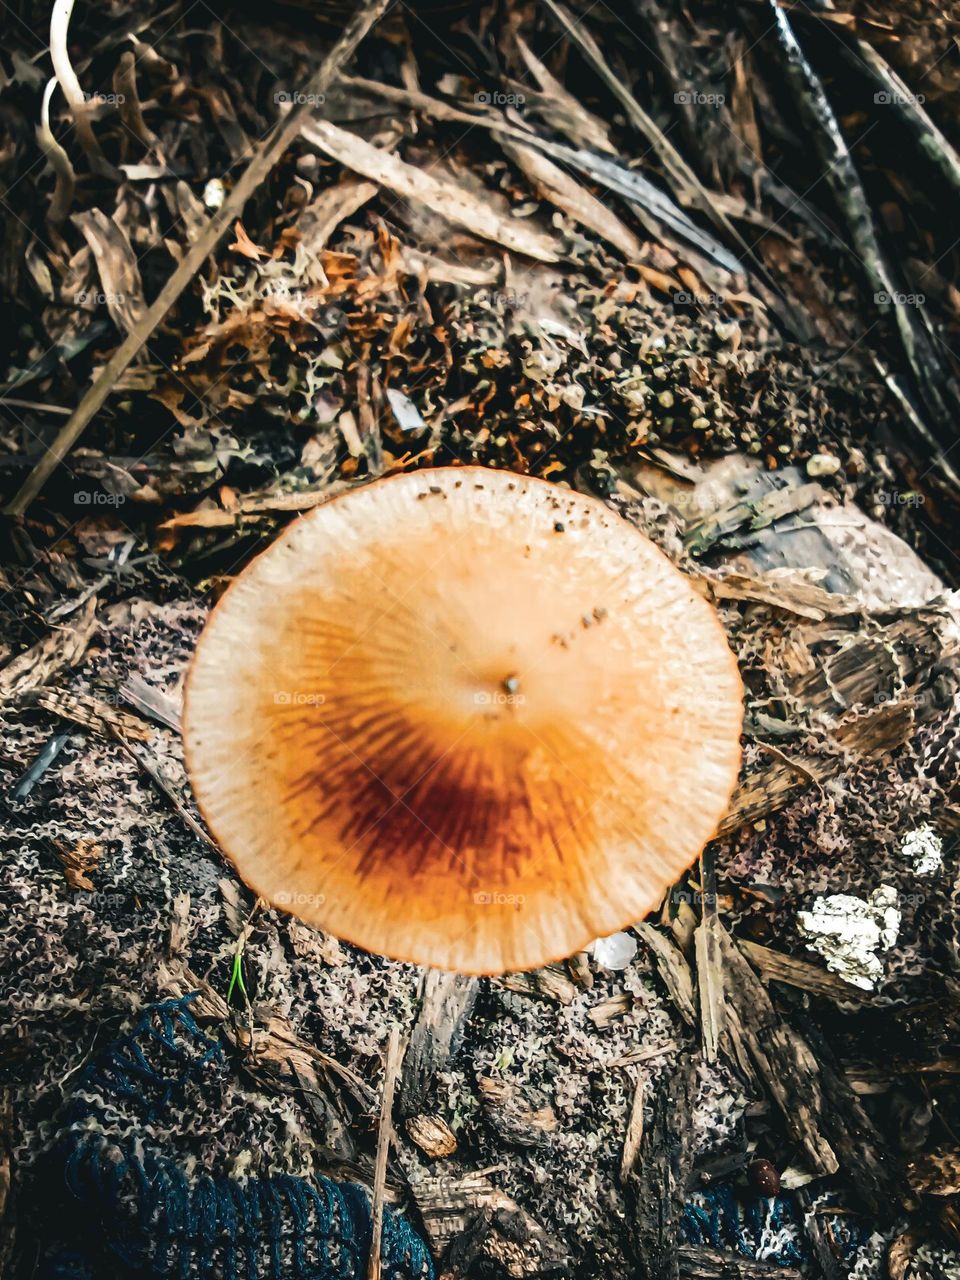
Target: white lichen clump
[[849, 932], [924, 850]]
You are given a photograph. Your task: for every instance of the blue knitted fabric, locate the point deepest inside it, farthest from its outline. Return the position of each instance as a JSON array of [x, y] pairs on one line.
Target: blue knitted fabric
[[131, 1211], [755, 1226]]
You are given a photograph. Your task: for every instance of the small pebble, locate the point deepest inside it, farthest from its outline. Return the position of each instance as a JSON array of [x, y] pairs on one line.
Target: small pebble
[[823, 464]]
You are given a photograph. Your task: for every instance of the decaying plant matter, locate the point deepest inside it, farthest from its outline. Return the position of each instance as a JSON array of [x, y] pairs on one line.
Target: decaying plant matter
[[698, 263]]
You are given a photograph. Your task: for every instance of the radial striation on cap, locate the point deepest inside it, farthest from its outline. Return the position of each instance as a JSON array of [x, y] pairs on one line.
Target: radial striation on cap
[[464, 718]]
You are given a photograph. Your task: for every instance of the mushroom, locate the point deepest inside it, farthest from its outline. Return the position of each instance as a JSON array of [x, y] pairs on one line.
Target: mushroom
[[463, 718]]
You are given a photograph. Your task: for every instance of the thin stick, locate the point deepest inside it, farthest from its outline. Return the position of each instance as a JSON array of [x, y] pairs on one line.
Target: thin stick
[[165, 789], [634, 1135], [265, 156], [391, 1069]]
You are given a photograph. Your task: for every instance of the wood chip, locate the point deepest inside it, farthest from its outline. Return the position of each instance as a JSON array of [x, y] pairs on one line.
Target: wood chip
[[550, 982], [607, 1011], [634, 1134], [80, 708], [777, 966], [673, 970], [59, 650], [432, 1135]]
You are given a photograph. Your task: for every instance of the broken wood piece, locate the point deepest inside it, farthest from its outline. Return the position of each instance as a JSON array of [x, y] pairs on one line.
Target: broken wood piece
[[478, 1229], [504, 1240], [446, 1005], [819, 1109], [432, 1135], [84, 710], [320, 218], [633, 1057], [440, 195], [608, 1010], [780, 1057], [265, 156], [62, 648], [778, 966], [519, 1116], [709, 961], [551, 982], [782, 589], [657, 1186], [673, 970]]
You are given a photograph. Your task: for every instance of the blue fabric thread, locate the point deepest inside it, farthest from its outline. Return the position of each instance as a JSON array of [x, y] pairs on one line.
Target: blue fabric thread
[[139, 1209]]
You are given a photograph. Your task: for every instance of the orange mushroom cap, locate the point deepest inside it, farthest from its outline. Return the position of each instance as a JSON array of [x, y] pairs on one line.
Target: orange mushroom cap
[[464, 718]]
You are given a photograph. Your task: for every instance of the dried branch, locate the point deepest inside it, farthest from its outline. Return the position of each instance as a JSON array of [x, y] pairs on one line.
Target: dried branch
[[265, 156]]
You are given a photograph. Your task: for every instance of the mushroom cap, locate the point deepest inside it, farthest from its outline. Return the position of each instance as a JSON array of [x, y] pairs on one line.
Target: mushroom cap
[[464, 718]]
